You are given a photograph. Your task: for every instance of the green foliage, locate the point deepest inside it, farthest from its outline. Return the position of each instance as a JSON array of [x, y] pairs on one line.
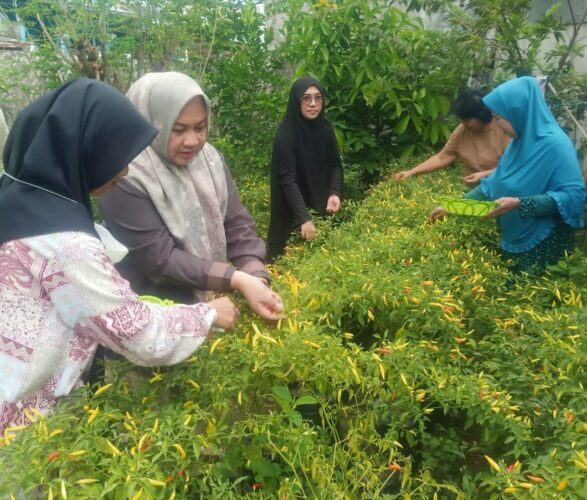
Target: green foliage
[[253, 188], [223, 45], [388, 80], [409, 359], [506, 43], [248, 93]]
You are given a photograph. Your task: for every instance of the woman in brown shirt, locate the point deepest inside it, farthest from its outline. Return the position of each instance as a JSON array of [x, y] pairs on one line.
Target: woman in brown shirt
[[477, 142], [178, 211]]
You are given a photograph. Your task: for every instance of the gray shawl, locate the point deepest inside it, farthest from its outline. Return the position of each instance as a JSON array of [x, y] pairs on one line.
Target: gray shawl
[[191, 199]]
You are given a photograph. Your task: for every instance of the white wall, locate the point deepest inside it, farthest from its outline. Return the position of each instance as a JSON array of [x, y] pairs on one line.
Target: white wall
[[3, 133]]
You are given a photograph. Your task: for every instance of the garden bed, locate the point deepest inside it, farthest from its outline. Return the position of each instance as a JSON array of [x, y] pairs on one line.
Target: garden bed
[[410, 363]]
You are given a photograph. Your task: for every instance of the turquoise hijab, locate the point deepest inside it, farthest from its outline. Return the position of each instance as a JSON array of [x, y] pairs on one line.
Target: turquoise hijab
[[541, 160]]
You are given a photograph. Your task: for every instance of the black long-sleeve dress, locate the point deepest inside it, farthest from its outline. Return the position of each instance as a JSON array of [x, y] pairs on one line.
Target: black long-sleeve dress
[[305, 169]]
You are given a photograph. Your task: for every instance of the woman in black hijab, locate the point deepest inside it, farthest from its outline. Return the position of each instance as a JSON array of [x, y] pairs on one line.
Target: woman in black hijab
[[306, 171], [63, 146], [60, 295]]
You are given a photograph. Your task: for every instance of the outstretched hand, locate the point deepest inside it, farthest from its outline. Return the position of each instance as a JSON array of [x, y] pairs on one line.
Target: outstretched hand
[[263, 301], [436, 214], [475, 178], [403, 175], [504, 205]]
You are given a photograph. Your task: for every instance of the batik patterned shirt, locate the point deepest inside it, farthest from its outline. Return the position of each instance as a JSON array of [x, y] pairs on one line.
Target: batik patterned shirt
[[60, 296]]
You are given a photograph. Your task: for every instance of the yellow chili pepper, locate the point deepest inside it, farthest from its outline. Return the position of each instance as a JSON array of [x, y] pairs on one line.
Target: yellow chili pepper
[[16, 428], [93, 414], [115, 451], [100, 390], [86, 481], [36, 412], [181, 451], [581, 455], [28, 415], [137, 495], [293, 325], [562, 485], [269, 338], [494, 465], [155, 482], [76, 453], [156, 426], [215, 344], [354, 370]]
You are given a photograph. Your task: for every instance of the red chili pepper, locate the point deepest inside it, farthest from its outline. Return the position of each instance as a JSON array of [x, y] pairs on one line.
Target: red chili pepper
[[510, 468], [256, 486], [168, 479], [54, 455], [535, 479], [383, 350], [146, 443], [394, 467], [180, 473]]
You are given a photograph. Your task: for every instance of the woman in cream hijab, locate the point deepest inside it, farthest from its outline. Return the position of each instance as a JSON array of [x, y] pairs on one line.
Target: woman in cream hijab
[[178, 211]]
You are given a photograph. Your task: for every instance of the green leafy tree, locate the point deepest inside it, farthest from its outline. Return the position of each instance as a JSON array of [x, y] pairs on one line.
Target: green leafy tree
[[508, 41], [222, 44], [388, 80]]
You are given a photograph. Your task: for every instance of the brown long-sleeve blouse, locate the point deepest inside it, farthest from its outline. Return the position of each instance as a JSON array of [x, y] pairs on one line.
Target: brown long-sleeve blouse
[[479, 150], [158, 265]]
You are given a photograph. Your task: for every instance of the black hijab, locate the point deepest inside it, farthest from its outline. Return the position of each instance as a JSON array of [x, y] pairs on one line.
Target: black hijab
[[69, 141], [310, 144]]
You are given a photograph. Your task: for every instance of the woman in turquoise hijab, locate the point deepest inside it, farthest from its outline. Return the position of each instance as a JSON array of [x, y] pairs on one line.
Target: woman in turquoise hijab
[[537, 185]]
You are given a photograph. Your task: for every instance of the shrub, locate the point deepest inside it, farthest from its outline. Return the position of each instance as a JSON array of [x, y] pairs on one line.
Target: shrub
[[410, 364]]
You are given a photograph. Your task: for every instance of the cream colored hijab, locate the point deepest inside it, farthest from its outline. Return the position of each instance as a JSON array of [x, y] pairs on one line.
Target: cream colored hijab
[[191, 200]]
